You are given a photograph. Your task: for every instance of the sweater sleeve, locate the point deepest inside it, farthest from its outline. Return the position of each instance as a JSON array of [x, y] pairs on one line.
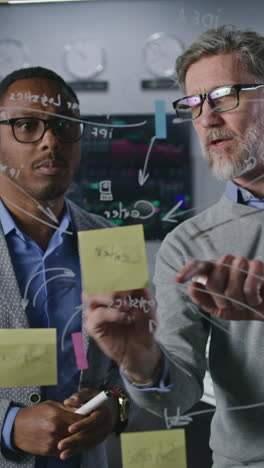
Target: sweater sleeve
[[182, 335]]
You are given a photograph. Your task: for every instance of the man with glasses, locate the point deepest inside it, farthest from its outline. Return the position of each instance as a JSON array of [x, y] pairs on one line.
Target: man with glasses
[[210, 267], [32, 129], [40, 132]]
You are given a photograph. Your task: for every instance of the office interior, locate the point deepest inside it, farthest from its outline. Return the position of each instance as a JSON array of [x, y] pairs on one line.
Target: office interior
[[120, 30]]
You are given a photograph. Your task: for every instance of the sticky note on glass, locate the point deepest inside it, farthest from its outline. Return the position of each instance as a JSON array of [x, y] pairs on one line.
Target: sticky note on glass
[[28, 357], [160, 120], [113, 259], [154, 449], [79, 351]]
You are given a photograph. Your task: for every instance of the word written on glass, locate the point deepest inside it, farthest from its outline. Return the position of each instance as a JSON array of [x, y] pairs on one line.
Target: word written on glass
[[14, 173], [43, 99], [196, 17], [177, 420], [154, 449], [116, 254], [133, 302], [28, 357], [124, 213], [104, 133]]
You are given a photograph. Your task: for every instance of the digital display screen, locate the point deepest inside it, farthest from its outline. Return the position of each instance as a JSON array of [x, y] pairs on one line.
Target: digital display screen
[[108, 182]]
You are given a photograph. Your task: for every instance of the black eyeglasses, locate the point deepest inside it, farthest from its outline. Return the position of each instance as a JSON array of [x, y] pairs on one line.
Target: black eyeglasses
[[220, 99], [32, 129]]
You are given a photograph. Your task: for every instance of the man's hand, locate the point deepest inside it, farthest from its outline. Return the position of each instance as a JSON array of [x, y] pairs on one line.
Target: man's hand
[[120, 324], [232, 289], [92, 429], [38, 429]]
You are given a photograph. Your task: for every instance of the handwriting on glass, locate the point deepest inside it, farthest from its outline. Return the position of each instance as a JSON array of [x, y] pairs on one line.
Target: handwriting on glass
[[176, 420], [10, 355], [116, 254], [123, 213], [102, 132], [105, 190], [133, 302], [14, 173], [4, 115], [43, 99], [146, 455], [196, 17]]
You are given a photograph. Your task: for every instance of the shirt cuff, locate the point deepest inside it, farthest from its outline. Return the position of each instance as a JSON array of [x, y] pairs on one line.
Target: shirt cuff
[[161, 384], [8, 428]]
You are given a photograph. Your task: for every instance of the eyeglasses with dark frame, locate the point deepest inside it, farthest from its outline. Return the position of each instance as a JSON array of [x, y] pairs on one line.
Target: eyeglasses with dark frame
[[32, 129], [222, 99]]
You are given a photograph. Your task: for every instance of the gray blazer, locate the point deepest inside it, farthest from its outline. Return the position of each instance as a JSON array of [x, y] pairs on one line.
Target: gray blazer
[[12, 315]]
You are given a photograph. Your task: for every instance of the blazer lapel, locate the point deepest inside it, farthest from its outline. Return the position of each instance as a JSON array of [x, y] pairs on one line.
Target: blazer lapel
[[11, 309]]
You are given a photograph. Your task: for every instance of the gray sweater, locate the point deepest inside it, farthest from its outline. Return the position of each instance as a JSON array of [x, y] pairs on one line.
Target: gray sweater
[[236, 353]]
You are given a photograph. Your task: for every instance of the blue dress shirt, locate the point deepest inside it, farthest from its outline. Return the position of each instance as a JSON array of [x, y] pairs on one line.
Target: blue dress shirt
[[241, 195], [51, 282]]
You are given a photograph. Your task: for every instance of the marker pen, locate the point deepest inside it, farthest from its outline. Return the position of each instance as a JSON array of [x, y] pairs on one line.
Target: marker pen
[[93, 403]]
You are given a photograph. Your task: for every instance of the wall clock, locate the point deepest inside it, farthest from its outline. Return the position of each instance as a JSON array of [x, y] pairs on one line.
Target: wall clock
[[12, 56], [83, 59], [160, 52]]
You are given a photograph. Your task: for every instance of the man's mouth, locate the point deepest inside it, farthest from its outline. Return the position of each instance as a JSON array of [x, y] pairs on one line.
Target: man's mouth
[[50, 166], [50, 163], [219, 141]]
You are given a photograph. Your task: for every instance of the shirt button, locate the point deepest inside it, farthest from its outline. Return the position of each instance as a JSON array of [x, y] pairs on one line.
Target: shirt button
[[34, 398]]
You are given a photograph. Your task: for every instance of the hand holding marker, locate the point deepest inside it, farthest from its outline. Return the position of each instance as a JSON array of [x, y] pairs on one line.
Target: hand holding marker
[[161, 132], [93, 403]]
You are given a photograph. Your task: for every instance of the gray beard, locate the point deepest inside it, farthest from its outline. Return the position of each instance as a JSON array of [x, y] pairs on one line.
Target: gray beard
[[250, 151]]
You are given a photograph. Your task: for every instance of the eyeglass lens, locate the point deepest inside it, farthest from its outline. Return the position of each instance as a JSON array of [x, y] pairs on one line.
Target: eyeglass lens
[[222, 99], [30, 130]]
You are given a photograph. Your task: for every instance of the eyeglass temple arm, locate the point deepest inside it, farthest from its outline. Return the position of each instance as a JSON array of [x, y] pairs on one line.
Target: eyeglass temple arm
[[253, 87]]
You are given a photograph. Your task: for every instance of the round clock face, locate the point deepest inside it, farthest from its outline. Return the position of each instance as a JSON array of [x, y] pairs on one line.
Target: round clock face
[[12, 56], [83, 59], [160, 53]]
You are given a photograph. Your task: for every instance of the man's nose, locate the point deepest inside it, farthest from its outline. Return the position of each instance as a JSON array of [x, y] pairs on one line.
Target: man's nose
[[209, 117], [49, 139]]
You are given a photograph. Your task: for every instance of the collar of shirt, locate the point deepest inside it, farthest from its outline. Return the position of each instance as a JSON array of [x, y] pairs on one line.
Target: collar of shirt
[[241, 195], [9, 225]]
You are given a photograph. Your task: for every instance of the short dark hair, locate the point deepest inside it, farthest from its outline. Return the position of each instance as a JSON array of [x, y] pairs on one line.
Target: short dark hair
[[34, 72]]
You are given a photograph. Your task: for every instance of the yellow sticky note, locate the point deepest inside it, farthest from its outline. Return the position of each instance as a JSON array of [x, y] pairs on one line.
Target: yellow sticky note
[[113, 259], [28, 357], [154, 449]]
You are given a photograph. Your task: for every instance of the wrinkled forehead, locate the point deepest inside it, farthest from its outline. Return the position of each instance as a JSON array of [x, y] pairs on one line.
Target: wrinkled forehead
[[213, 71], [38, 95]]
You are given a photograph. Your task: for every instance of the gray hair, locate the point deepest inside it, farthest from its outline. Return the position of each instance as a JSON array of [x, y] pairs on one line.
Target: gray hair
[[247, 45]]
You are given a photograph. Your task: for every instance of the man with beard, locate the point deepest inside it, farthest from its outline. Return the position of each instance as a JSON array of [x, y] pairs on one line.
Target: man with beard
[[210, 267], [40, 136]]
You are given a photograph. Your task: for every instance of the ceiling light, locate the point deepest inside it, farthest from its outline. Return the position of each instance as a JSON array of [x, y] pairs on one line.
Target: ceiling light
[[17, 2]]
